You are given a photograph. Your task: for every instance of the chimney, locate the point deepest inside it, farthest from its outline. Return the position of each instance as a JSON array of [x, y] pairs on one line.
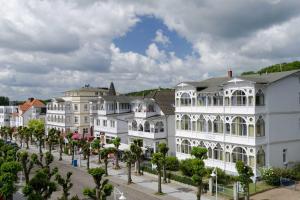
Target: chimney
[[229, 73], [30, 99]]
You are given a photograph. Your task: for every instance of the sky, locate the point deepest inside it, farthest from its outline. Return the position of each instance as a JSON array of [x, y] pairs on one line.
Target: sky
[[49, 46]]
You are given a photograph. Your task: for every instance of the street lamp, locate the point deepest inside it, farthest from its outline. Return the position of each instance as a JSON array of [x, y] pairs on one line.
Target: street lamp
[[215, 174]]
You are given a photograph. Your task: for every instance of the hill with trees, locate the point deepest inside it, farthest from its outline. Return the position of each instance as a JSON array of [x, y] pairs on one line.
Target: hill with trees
[[146, 92], [276, 68]]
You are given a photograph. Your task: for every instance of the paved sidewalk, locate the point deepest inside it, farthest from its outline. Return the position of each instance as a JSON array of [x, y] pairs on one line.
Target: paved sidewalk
[[145, 182]]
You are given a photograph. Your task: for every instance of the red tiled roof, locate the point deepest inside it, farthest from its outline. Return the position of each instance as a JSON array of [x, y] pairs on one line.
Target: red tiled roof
[[28, 104]]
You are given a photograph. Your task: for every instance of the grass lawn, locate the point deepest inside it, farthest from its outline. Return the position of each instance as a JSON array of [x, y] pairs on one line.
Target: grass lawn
[[260, 186]]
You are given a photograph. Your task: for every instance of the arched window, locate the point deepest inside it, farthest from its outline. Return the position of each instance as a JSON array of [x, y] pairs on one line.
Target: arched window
[[217, 100], [239, 127], [209, 151], [134, 125], [209, 100], [218, 125], [178, 124], [185, 123], [201, 124], [259, 98], [260, 127], [209, 126], [141, 127], [147, 126], [201, 100], [260, 158], [238, 98], [251, 130], [185, 99], [218, 152], [186, 147], [239, 153], [159, 127]]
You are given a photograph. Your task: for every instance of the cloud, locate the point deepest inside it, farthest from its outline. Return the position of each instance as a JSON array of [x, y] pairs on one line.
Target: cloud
[[161, 38], [48, 46]]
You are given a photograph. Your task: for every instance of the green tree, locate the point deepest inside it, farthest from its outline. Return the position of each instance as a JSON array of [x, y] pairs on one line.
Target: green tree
[[4, 101], [8, 178], [117, 143], [105, 155], [157, 159], [61, 142], [136, 149], [198, 168], [38, 127], [45, 163], [66, 185], [27, 136], [129, 158], [96, 145], [51, 138], [87, 152], [245, 173], [20, 135], [40, 187], [26, 162], [103, 189], [163, 149]]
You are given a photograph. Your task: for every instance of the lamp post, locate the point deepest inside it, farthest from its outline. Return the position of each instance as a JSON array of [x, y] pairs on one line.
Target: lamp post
[[118, 192], [215, 174]]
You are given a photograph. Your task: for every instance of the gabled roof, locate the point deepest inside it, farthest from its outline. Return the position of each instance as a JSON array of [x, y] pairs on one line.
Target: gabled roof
[[31, 103], [215, 84], [165, 100]]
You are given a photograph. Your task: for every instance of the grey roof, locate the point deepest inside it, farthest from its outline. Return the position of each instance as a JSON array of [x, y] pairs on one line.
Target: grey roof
[[215, 84], [57, 99], [92, 89], [165, 100], [120, 98]]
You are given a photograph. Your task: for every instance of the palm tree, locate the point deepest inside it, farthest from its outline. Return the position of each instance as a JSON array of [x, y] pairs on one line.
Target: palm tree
[[51, 138], [105, 154], [20, 134], [96, 145], [117, 143], [129, 157], [87, 151], [136, 149], [103, 189], [163, 149], [61, 143], [157, 159]]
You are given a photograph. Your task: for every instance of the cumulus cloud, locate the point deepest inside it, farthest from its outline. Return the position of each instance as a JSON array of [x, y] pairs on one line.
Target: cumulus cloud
[[48, 46]]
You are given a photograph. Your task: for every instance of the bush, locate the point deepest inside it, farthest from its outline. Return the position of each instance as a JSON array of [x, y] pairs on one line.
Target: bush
[[172, 163], [223, 178], [182, 179], [270, 176], [186, 167]]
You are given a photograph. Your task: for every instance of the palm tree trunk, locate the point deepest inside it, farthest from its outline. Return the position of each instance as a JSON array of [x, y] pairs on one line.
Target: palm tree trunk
[[129, 174], [99, 156], [165, 173], [88, 161], [106, 171], [199, 192], [159, 182], [117, 160]]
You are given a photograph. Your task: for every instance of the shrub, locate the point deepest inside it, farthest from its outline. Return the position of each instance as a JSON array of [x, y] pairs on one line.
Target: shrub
[[172, 163], [182, 179], [223, 178], [270, 176], [186, 167]]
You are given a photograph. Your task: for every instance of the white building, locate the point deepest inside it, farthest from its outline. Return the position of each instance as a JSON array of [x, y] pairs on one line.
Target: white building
[[253, 118], [6, 113], [31, 109], [71, 112], [153, 121], [109, 117]]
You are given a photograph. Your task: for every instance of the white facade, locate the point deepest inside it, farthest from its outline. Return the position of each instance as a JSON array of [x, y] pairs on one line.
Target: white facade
[[109, 117], [254, 119], [71, 112], [6, 113], [152, 125]]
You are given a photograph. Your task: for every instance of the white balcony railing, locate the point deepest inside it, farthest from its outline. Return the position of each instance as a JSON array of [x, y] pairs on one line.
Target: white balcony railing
[[149, 135], [221, 109], [144, 114]]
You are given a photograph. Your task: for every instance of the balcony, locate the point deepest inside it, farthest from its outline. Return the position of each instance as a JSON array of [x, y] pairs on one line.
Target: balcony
[[149, 135], [219, 137], [61, 111], [144, 114], [221, 109]]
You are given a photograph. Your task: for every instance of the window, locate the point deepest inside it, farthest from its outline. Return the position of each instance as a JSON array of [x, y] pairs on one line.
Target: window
[[217, 100], [112, 123], [251, 130], [104, 122], [134, 125], [159, 127], [260, 127], [209, 126], [201, 124], [75, 120], [85, 107], [186, 147], [239, 154], [86, 119], [284, 156], [238, 98], [260, 158], [218, 152], [147, 126], [259, 98], [75, 107], [185, 123], [239, 127], [218, 125], [185, 100], [98, 122], [141, 128], [201, 100], [178, 124], [85, 130], [227, 128]]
